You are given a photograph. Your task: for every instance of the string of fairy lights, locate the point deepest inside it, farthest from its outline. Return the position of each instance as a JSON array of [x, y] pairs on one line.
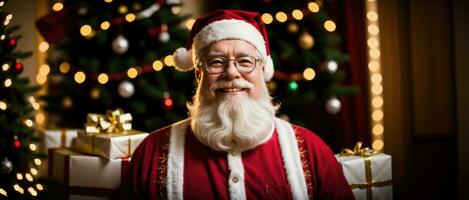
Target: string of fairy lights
[[27, 176], [375, 77]]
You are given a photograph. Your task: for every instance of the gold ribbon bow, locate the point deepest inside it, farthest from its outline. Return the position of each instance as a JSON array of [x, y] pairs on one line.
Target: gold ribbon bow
[[358, 151], [114, 121]]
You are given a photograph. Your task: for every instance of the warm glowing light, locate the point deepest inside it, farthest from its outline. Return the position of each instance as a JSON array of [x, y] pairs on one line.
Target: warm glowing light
[[132, 72], [169, 60], [122, 9], [130, 17], [378, 144], [19, 176], [375, 53], [41, 79], [33, 147], [40, 118], [373, 42], [377, 115], [9, 17], [32, 191], [377, 89], [7, 82], [18, 188], [57, 6], [34, 171], [2, 37], [373, 29], [39, 187], [103, 78], [2, 3], [44, 69], [80, 77], [28, 122], [105, 25], [281, 17], [373, 66], [377, 102], [157, 65], [3, 105], [297, 14], [309, 74], [108, 1], [29, 177], [313, 7], [43, 46], [64, 67], [376, 78], [5, 67], [86, 30], [2, 191], [372, 16], [267, 18], [190, 23], [378, 129], [37, 161], [329, 25]]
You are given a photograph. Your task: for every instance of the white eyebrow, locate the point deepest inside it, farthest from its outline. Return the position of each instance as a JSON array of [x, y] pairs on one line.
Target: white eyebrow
[[216, 54]]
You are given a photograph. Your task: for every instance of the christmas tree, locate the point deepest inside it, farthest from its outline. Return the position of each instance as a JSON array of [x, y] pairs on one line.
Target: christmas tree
[[110, 54], [306, 55], [19, 158]]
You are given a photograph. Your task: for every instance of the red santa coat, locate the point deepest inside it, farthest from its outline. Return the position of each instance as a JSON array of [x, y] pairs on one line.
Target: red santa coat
[[293, 164]]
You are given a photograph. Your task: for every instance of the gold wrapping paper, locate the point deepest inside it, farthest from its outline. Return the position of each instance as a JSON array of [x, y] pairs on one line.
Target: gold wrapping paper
[[110, 145]]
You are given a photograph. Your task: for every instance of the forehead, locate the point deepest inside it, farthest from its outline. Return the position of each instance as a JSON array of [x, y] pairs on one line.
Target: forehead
[[234, 46]]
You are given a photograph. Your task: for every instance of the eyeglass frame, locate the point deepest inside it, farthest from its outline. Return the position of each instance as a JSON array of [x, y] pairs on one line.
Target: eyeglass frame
[[226, 63]]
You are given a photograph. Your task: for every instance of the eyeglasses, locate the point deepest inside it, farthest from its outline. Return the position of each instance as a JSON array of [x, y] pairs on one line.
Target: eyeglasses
[[244, 64]]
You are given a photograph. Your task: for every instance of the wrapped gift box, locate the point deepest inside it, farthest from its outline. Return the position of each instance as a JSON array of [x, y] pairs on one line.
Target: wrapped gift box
[[59, 138], [110, 145], [369, 176], [85, 176]]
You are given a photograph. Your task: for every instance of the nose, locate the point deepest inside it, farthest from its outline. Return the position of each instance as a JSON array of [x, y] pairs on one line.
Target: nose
[[231, 71]]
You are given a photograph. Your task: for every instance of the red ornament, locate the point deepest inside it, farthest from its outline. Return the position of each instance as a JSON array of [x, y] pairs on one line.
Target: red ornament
[[17, 143], [18, 67], [12, 42], [168, 103]]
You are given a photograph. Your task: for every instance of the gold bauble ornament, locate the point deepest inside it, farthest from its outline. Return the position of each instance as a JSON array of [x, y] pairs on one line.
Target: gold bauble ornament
[[292, 27], [306, 41], [94, 93]]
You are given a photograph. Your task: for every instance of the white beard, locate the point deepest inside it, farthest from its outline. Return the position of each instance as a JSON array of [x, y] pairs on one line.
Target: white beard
[[232, 124]]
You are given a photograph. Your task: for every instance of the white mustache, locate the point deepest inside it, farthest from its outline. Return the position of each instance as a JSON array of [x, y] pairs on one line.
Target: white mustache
[[237, 83]]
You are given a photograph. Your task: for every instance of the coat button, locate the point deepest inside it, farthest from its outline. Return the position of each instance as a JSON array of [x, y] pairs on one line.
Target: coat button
[[235, 179]]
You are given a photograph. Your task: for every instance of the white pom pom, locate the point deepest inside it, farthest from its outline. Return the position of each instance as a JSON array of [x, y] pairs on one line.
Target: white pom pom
[[183, 59], [268, 69]]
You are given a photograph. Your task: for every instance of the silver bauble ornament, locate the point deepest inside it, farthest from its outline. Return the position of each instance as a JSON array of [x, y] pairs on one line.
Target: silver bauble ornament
[[126, 89], [164, 37], [120, 44], [6, 166], [332, 66], [333, 105]]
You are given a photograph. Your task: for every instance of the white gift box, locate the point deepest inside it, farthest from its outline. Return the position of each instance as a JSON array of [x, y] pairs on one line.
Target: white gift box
[[58, 138], [369, 177], [87, 176], [110, 146]]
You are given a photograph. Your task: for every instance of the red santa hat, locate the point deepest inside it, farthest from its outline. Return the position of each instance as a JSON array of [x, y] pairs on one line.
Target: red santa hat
[[225, 24]]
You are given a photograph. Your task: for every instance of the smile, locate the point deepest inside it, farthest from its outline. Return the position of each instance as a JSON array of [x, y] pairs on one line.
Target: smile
[[230, 89]]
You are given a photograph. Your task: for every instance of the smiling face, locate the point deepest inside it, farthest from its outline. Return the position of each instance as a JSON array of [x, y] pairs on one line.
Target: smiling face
[[231, 82], [231, 111]]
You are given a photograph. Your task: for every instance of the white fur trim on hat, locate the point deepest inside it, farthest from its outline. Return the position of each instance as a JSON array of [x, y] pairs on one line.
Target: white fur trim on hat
[[268, 69], [234, 29], [183, 59]]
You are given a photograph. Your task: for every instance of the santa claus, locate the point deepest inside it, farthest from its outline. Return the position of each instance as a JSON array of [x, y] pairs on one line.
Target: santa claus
[[232, 146]]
